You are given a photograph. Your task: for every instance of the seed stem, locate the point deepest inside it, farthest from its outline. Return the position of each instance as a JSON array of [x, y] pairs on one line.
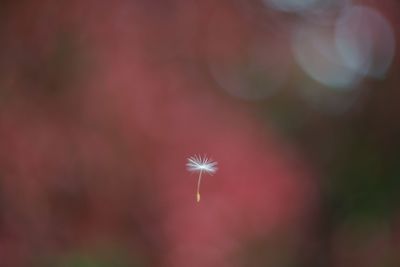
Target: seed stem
[[198, 186]]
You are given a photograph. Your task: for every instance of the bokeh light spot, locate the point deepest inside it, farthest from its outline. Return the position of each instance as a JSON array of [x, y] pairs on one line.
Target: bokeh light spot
[[292, 5], [315, 52], [365, 41]]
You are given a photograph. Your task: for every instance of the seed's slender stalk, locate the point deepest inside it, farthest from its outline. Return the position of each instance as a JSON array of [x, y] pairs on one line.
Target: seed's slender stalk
[[198, 187]]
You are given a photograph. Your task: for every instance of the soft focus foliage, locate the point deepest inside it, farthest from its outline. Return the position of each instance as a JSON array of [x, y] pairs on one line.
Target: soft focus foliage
[[102, 102]]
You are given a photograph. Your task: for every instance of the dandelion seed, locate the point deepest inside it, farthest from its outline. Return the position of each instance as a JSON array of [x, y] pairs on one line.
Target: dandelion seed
[[201, 164]]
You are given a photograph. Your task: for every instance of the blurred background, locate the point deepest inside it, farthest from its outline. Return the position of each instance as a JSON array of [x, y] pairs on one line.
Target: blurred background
[[102, 102]]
